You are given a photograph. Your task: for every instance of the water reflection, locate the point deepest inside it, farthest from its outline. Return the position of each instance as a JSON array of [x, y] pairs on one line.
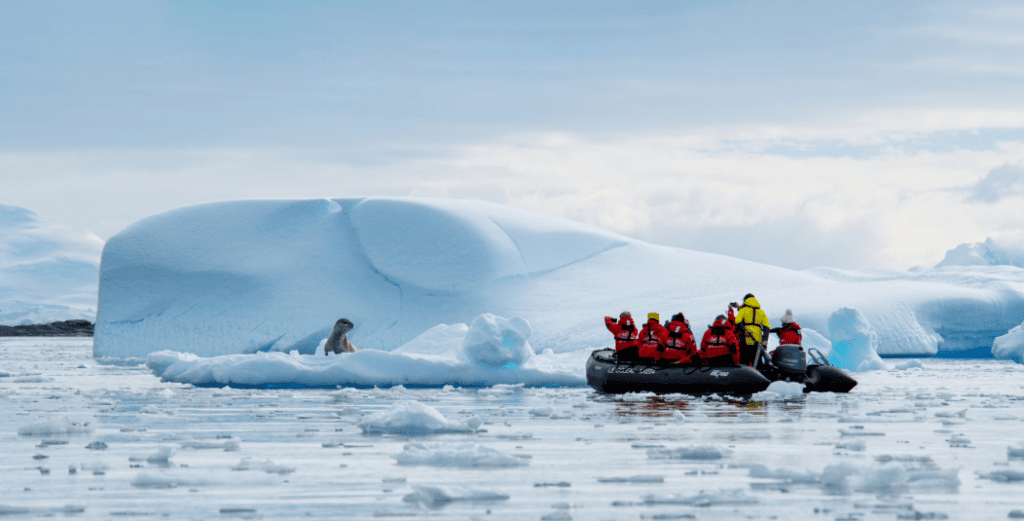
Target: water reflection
[[664, 407]]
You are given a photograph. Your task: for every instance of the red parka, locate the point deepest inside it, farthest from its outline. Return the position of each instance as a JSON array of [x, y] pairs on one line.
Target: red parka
[[652, 336], [719, 340], [625, 332], [680, 344], [789, 334]]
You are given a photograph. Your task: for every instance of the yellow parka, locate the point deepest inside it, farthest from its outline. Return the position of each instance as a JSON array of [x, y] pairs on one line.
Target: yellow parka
[[751, 318]]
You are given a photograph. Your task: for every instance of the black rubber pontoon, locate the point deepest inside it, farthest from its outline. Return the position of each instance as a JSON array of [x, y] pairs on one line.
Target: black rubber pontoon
[[605, 374], [788, 362]]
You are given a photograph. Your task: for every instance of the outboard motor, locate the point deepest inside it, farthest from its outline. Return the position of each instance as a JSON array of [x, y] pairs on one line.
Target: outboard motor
[[790, 361]]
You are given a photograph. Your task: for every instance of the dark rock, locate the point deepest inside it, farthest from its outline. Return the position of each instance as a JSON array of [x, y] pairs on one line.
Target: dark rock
[[63, 328]]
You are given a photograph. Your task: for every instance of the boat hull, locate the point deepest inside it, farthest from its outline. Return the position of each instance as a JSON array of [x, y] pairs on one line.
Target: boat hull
[[606, 375]]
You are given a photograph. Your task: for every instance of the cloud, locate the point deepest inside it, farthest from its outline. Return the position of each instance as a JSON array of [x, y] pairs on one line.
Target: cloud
[[1004, 181]]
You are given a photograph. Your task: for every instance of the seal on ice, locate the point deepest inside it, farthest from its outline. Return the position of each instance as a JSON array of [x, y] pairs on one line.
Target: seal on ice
[[338, 341]]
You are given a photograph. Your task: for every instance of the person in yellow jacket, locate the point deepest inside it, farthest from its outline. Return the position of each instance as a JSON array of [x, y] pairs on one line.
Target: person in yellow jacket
[[751, 328]]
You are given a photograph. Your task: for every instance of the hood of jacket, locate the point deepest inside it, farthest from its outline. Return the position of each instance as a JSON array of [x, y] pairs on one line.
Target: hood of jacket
[[752, 302]]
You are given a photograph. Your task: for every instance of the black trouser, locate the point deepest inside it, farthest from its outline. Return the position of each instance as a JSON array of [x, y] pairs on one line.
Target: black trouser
[[748, 353], [629, 354]]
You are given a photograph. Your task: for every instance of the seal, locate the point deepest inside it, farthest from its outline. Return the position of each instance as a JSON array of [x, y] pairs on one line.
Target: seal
[[338, 341]]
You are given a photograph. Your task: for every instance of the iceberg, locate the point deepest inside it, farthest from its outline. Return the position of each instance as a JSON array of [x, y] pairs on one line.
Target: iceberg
[[48, 272], [243, 277]]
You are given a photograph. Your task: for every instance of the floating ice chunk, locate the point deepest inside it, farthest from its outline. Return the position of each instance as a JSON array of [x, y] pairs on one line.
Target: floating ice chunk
[[465, 455], [779, 389], [704, 499], [678, 416], [495, 341], [634, 479], [909, 364], [227, 446], [1015, 452], [843, 478], [502, 389], [54, 426], [436, 496], [854, 342], [892, 478], [697, 452], [1005, 476], [760, 471], [266, 466], [416, 419], [173, 478], [36, 379], [636, 397], [547, 410], [161, 456], [1010, 346], [856, 446], [8, 510]]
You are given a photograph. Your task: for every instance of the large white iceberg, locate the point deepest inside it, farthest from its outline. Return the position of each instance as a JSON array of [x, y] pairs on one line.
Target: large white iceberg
[[263, 276]]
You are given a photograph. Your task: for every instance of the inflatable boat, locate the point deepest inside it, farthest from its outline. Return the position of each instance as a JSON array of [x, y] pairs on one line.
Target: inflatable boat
[[606, 374]]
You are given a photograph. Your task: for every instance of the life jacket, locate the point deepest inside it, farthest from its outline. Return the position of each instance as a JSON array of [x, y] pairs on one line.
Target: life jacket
[[625, 332], [751, 322], [719, 340], [652, 337], [679, 342], [790, 334]]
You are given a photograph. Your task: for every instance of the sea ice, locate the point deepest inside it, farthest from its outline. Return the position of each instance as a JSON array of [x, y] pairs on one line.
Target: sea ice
[[414, 418], [54, 427], [469, 455], [435, 496], [699, 452]]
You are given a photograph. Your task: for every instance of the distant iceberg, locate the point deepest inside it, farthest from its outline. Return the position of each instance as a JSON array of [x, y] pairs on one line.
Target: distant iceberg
[[48, 272], [987, 253]]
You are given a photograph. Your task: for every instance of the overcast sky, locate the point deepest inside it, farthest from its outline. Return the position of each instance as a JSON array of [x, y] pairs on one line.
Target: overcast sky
[[847, 134]]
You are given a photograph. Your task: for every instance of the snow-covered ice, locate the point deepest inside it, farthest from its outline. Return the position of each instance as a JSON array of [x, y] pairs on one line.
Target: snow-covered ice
[[939, 441], [243, 277]]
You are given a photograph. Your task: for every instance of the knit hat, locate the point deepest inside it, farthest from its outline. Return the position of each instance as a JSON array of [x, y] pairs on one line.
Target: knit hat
[[654, 316], [748, 295], [678, 317], [625, 314], [788, 317]]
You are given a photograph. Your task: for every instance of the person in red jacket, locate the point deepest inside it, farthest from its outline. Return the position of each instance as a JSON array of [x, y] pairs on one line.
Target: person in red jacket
[[789, 333], [652, 337], [680, 346], [626, 336], [719, 346]]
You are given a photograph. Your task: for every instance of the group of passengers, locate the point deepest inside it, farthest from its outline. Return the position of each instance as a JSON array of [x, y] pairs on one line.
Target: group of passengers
[[733, 338]]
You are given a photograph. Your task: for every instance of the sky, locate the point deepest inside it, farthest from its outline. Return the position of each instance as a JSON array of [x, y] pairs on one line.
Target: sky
[[799, 134]]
